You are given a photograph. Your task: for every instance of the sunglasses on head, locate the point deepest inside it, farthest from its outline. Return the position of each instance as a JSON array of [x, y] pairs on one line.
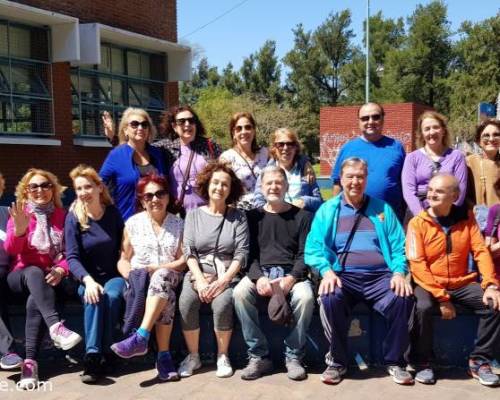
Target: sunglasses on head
[[160, 194], [239, 128], [374, 117], [33, 187], [135, 124], [182, 121], [281, 145]]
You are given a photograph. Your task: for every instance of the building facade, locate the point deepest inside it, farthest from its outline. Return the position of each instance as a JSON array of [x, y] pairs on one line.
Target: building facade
[[64, 62]]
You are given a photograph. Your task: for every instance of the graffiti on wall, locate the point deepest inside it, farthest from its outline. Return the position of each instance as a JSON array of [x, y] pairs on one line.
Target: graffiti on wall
[[331, 142]]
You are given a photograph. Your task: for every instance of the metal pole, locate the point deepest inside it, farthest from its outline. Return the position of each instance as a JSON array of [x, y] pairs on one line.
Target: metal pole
[[367, 77]]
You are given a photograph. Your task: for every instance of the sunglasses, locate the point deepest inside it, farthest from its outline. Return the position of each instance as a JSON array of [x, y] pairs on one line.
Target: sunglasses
[[436, 166], [281, 145], [135, 124], [374, 117], [239, 128], [182, 121], [160, 194], [33, 187], [490, 138]]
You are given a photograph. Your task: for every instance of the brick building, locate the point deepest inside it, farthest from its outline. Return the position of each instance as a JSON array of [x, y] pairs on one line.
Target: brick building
[[339, 124], [62, 62]]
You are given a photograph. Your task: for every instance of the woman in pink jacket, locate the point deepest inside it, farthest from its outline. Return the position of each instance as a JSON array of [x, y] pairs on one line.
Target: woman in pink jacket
[[35, 243]]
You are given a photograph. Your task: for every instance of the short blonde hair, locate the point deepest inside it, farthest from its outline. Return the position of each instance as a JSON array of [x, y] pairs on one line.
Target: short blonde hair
[[292, 135], [22, 186], [80, 209], [125, 120]]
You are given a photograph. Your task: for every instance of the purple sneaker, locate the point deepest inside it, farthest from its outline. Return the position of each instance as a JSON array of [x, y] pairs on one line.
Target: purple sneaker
[[11, 361], [29, 375], [134, 345], [166, 369]]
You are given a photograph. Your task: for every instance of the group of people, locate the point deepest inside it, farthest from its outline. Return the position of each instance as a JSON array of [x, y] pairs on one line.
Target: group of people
[[173, 219]]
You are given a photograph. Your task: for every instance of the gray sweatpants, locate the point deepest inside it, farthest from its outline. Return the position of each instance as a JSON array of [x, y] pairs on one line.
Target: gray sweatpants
[[189, 307]]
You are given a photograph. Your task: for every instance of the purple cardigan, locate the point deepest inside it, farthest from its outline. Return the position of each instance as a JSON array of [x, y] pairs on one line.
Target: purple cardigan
[[417, 172]]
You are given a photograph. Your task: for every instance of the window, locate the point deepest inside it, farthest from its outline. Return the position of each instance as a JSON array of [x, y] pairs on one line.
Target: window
[[25, 80], [125, 77]]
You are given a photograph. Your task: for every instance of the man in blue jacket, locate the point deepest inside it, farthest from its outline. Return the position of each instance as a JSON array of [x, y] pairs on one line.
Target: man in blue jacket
[[356, 243]]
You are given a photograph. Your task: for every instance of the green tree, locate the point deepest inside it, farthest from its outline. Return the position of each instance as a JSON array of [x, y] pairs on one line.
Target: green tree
[[203, 76], [475, 75], [317, 61], [231, 80], [418, 71]]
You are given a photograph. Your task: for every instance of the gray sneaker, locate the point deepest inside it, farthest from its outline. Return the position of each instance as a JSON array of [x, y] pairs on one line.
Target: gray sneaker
[[400, 375], [482, 372], [425, 376], [295, 370], [256, 368], [333, 375]]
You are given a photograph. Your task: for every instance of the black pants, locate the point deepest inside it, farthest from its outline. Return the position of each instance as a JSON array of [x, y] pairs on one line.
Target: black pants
[[40, 305], [470, 296], [6, 339]]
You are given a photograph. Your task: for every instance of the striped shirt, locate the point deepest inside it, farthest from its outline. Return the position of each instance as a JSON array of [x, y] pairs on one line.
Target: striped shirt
[[364, 254]]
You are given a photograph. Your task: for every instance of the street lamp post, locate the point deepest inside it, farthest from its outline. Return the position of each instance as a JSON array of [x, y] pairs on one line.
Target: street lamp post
[[367, 77]]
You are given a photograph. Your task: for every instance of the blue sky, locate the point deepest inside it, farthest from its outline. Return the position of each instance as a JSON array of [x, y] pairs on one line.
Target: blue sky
[[245, 29]]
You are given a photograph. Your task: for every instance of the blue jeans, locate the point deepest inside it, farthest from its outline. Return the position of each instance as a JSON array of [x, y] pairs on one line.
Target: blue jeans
[[301, 299], [101, 319]]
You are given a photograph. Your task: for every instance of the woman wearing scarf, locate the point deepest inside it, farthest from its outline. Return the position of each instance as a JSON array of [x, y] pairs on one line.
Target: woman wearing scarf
[[35, 243]]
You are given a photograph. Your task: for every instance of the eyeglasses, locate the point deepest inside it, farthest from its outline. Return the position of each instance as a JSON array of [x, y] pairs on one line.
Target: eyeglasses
[[160, 194], [135, 124], [239, 128], [490, 138], [33, 187], [281, 145], [374, 117], [182, 121]]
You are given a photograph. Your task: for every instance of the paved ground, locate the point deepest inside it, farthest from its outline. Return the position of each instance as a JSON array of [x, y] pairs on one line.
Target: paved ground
[[136, 381]]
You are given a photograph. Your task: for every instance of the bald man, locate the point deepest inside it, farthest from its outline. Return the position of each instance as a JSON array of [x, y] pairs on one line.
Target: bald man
[[384, 156], [438, 243]]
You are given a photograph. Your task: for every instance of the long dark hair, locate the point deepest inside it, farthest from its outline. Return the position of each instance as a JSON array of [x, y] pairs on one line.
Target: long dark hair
[[168, 119]]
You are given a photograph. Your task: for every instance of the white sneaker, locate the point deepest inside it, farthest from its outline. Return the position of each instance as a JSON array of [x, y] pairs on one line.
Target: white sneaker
[[190, 364], [62, 337], [224, 369]]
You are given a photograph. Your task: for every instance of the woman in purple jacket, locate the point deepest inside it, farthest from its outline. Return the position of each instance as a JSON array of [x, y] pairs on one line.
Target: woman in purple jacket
[[433, 156]]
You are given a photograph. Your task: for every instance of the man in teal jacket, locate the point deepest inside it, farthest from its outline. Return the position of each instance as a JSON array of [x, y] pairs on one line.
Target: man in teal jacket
[[356, 244]]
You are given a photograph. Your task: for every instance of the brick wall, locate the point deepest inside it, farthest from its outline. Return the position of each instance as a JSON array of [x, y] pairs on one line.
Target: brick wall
[[337, 125], [157, 18]]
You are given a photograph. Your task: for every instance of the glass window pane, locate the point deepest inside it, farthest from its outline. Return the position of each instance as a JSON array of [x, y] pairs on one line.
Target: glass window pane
[[20, 42], [105, 64], [5, 114], [117, 64], [157, 67], [4, 45], [32, 116], [4, 78], [30, 79], [133, 63], [117, 92], [145, 67]]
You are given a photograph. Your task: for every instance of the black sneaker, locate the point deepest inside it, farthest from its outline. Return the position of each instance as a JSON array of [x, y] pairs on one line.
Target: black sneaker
[[91, 368]]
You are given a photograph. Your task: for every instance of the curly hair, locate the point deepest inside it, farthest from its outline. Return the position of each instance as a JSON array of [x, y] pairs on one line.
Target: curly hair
[[22, 186], [168, 120], [79, 208], [482, 126], [442, 122], [234, 120], [141, 186], [205, 176], [125, 120]]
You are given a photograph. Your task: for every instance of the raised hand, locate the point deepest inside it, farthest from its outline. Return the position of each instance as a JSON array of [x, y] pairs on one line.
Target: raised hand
[[108, 124], [20, 217]]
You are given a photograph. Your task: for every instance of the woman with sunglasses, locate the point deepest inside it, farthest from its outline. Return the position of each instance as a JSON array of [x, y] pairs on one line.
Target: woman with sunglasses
[[93, 235], [246, 158], [433, 156], [303, 191], [38, 264], [132, 159], [152, 243], [189, 151], [484, 168], [215, 248], [9, 357]]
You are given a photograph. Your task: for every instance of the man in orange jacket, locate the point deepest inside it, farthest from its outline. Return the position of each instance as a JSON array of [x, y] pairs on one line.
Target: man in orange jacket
[[438, 244]]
